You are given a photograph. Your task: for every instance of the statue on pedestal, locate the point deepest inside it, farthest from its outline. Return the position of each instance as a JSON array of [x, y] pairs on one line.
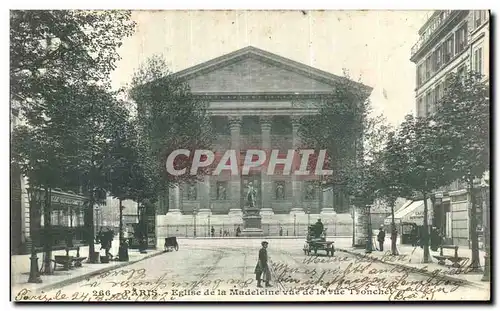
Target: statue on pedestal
[[251, 195], [251, 214], [251, 201]]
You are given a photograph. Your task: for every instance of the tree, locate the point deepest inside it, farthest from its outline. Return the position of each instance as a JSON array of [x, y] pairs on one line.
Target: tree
[[463, 116], [39, 153], [169, 118], [55, 55], [93, 117], [50, 48], [123, 157], [391, 181], [338, 128], [425, 162]]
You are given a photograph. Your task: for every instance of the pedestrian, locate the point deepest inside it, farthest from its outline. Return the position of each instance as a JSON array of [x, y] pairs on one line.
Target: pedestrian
[[262, 269], [435, 239], [318, 229], [381, 238], [212, 231], [238, 231], [109, 242]]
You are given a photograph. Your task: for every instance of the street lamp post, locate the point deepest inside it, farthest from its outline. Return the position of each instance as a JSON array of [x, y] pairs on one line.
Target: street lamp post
[[486, 206], [294, 224], [195, 211], [369, 239], [209, 227], [308, 217]]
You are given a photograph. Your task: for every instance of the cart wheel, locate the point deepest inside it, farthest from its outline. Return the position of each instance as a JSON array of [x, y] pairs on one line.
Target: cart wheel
[[176, 247]]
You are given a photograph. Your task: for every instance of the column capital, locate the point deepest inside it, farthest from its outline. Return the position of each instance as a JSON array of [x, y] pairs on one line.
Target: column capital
[[295, 121], [265, 122], [234, 122]]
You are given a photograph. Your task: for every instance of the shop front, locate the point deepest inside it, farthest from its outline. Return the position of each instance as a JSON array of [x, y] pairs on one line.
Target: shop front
[[409, 219]]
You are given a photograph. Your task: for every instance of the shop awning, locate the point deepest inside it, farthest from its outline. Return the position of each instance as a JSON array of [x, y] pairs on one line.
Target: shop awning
[[412, 211]]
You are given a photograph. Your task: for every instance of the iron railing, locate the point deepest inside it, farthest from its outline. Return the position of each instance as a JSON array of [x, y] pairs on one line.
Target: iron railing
[[275, 230]]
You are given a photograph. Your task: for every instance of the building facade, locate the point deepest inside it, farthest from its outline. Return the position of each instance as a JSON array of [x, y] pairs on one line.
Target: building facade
[[450, 41], [255, 99]]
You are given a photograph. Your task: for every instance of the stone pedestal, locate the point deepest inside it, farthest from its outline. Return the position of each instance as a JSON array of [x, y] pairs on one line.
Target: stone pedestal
[[252, 222], [174, 212], [328, 211], [297, 211], [204, 212], [327, 202], [266, 212], [235, 212]]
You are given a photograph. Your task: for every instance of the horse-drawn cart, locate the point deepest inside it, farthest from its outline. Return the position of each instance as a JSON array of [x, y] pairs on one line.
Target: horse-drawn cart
[[171, 244], [314, 244]]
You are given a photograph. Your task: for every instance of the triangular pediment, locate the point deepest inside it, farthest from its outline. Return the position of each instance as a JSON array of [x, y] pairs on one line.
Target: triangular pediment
[[251, 70]]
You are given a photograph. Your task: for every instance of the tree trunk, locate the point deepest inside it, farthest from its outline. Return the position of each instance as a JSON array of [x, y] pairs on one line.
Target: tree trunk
[[48, 233], [475, 265], [425, 233], [121, 220], [34, 212], [394, 233], [90, 228]]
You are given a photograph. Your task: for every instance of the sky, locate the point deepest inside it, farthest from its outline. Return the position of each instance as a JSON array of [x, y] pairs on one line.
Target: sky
[[373, 46]]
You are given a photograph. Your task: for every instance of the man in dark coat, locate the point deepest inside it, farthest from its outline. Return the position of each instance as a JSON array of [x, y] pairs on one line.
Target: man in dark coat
[[318, 229], [381, 238], [262, 267]]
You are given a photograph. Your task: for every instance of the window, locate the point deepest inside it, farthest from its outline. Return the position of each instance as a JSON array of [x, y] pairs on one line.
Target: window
[[420, 107], [448, 50], [434, 61], [461, 38], [446, 83], [437, 95], [428, 67], [478, 60], [440, 91], [420, 74], [432, 105], [461, 70], [478, 18], [428, 104], [439, 57]]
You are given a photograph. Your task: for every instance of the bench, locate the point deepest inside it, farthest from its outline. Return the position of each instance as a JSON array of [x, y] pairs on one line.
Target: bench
[[455, 259], [68, 261]]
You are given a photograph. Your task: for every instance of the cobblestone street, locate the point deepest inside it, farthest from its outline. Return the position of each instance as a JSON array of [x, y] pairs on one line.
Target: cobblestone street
[[223, 270]]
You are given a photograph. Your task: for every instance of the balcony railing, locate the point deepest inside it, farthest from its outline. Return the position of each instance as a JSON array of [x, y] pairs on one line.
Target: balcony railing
[[439, 20]]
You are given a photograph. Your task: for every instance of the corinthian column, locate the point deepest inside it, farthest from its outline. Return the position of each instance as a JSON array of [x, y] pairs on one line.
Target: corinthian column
[[204, 196], [174, 201], [266, 184], [297, 205], [235, 183]]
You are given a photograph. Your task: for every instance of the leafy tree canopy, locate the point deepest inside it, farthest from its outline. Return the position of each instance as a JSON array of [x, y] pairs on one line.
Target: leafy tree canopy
[[50, 48]]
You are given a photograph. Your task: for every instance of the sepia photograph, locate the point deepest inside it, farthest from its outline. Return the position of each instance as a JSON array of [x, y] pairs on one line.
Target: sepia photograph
[[249, 155]]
